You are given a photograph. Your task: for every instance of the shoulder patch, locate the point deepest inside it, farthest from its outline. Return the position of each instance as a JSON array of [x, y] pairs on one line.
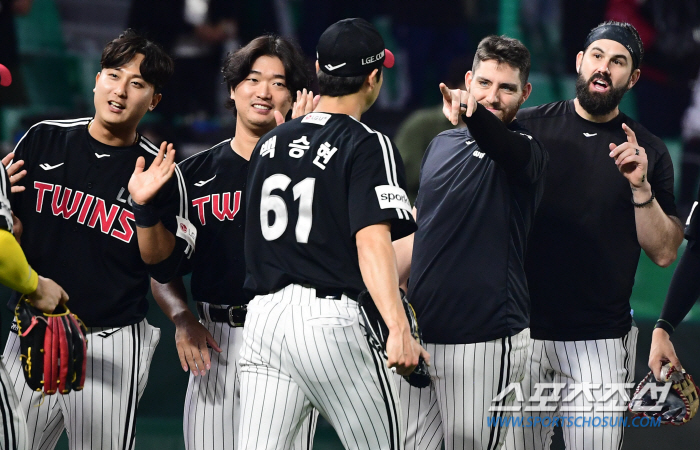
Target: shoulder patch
[[316, 118], [390, 197]]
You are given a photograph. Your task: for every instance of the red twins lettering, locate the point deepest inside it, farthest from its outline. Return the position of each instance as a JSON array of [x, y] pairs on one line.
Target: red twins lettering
[[116, 222], [222, 210]]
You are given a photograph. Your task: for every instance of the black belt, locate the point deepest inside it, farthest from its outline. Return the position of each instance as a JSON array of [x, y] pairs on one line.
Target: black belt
[[331, 294], [232, 315]]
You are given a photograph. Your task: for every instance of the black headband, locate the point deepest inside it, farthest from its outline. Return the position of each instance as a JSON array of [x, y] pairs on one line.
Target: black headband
[[618, 34]]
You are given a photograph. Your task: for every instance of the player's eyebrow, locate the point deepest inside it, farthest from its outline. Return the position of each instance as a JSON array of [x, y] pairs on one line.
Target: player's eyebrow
[[274, 75], [620, 56]]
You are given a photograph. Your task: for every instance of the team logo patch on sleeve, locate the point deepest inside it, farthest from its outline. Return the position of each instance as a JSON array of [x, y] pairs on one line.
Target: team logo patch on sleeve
[[392, 197], [186, 231], [316, 118]]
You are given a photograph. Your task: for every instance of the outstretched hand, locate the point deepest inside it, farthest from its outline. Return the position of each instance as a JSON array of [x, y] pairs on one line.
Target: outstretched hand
[[144, 185], [305, 103], [13, 172]]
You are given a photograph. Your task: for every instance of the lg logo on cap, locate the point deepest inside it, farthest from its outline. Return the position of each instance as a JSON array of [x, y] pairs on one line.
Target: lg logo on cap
[[374, 58]]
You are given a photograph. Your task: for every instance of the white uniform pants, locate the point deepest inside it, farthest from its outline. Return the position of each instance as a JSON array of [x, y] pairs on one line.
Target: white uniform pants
[[213, 401], [103, 414], [13, 431], [455, 407], [604, 362], [300, 352]]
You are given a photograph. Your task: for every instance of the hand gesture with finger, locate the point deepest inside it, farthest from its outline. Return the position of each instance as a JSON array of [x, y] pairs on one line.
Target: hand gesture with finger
[[144, 184], [456, 102], [631, 159]]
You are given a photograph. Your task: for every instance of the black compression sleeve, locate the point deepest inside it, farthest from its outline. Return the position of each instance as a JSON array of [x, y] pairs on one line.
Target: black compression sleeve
[[510, 150], [684, 289]]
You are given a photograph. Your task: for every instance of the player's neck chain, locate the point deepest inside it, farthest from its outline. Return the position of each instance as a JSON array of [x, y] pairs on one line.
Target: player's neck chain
[[136, 137]]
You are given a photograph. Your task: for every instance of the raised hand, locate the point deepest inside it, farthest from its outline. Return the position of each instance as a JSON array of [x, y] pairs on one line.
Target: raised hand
[[144, 185], [13, 171], [631, 159], [456, 102], [305, 103]]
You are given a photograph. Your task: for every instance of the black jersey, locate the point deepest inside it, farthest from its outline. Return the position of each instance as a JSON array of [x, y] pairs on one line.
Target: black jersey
[[78, 222], [467, 279], [216, 180], [313, 183], [5, 209], [583, 251]]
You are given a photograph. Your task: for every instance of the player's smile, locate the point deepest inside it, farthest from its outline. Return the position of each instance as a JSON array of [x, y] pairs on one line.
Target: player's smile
[[599, 83], [261, 93]]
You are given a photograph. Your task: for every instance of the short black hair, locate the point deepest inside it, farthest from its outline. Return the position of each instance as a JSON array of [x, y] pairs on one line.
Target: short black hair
[[504, 49], [238, 64], [156, 67], [332, 86]]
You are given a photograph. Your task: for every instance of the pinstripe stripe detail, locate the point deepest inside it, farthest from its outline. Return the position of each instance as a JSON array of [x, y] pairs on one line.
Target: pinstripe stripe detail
[[4, 181], [130, 422], [383, 383], [8, 420]]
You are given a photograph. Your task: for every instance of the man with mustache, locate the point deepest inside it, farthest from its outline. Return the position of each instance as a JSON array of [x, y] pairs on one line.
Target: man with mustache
[[608, 194]]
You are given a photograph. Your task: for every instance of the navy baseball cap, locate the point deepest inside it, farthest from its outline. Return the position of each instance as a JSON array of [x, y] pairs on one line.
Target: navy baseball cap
[[352, 47]]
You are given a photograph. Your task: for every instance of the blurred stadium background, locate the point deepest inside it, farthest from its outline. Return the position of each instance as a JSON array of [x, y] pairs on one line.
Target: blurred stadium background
[[57, 53]]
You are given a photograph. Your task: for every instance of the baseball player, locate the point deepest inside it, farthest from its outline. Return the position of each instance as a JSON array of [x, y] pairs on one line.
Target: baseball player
[[262, 76], [78, 229], [326, 195], [44, 294], [682, 294], [479, 190], [609, 193]]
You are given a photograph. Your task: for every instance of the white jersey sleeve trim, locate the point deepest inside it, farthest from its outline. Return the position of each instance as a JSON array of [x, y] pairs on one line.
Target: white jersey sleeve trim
[[58, 123]]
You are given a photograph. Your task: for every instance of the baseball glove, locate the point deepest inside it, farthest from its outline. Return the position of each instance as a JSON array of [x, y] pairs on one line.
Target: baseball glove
[[53, 348], [677, 407], [377, 334]]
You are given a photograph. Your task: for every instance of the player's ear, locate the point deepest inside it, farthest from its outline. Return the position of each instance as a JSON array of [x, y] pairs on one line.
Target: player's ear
[[634, 78], [97, 78], [527, 90], [372, 79], [317, 66], [579, 59], [468, 77], [154, 101]]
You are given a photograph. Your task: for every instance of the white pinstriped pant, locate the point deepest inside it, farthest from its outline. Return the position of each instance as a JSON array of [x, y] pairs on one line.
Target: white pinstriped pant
[[466, 378], [13, 431], [213, 403], [600, 361], [103, 414], [301, 351]]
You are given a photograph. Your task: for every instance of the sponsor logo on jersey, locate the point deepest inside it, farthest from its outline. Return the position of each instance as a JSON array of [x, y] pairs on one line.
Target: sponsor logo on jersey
[[332, 68], [371, 59], [479, 154], [88, 209], [203, 182], [391, 197], [590, 134], [46, 166], [223, 206], [102, 155], [469, 142], [316, 118]]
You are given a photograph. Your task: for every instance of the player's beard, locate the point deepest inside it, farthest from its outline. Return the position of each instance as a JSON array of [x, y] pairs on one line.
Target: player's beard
[[597, 103]]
